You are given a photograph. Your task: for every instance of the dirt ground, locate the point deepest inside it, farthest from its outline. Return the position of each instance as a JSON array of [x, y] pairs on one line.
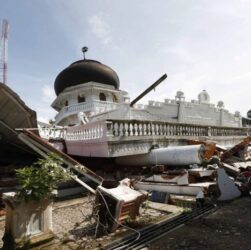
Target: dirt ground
[[74, 226], [227, 228]]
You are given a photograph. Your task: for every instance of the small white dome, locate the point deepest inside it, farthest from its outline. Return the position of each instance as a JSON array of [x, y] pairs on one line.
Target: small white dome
[[180, 96], [220, 104], [204, 97], [237, 114]]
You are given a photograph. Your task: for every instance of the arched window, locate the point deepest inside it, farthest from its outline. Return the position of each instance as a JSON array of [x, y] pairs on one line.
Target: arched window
[[102, 97], [81, 99]]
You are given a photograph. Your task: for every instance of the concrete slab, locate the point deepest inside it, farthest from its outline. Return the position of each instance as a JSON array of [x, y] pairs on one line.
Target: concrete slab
[[228, 189], [165, 207]]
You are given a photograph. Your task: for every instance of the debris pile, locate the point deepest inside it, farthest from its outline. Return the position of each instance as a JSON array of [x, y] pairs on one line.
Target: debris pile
[[223, 174], [237, 162]]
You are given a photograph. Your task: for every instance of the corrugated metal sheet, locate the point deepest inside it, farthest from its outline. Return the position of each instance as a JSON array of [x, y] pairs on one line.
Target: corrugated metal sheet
[[13, 114]]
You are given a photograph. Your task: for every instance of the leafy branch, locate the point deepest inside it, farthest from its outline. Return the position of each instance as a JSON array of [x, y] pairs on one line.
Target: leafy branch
[[41, 178]]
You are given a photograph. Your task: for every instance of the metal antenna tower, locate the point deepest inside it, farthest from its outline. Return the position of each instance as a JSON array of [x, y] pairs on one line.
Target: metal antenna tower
[[4, 51]]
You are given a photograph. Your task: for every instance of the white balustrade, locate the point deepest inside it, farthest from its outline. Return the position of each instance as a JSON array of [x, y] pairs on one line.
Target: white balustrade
[[127, 128], [94, 106], [89, 131], [145, 128], [52, 132]]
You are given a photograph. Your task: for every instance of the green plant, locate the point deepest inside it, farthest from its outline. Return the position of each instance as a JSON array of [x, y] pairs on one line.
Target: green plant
[[41, 178]]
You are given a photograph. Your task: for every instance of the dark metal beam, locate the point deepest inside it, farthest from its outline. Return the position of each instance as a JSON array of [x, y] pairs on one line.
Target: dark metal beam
[[154, 85]]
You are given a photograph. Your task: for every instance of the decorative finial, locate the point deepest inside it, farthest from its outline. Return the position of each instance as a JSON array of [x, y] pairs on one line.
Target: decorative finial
[[84, 49]]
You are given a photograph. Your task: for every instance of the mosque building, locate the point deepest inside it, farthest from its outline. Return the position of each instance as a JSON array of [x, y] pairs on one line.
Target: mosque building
[[89, 90]]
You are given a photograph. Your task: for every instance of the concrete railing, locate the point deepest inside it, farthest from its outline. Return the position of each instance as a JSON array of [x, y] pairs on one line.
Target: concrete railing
[[89, 131], [95, 107], [157, 128], [52, 132], [118, 128]]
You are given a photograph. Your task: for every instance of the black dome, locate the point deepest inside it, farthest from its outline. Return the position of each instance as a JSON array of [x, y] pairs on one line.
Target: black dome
[[84, 71], [249, 114]]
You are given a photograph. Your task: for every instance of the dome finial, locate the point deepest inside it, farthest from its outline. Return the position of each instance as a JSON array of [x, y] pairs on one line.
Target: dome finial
[[84, 49]]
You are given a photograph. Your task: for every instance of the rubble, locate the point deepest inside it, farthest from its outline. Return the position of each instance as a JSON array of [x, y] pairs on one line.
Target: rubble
[[241, 149], [170, 177], [210, 147], [228, 178], [228, 189], [191, 189]]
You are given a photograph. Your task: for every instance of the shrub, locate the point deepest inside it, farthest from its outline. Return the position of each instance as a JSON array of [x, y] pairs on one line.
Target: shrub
[[41, 178]]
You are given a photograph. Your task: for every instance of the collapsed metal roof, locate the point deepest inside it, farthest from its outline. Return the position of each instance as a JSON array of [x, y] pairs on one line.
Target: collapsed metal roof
[[14, 114]]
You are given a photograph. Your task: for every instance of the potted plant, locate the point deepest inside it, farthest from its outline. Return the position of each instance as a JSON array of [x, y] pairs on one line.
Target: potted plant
[[29, 210]]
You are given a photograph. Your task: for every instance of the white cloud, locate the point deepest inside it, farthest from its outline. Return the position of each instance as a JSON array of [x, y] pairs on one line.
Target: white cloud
[[48, 94], [43, 119], [101, 29], [44, 114]]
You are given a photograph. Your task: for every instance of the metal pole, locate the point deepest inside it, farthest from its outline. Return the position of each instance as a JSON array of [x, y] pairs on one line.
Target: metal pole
[[154, 85]]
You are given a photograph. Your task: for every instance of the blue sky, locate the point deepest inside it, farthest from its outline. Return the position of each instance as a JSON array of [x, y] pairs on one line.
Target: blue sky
[[200, 44]]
